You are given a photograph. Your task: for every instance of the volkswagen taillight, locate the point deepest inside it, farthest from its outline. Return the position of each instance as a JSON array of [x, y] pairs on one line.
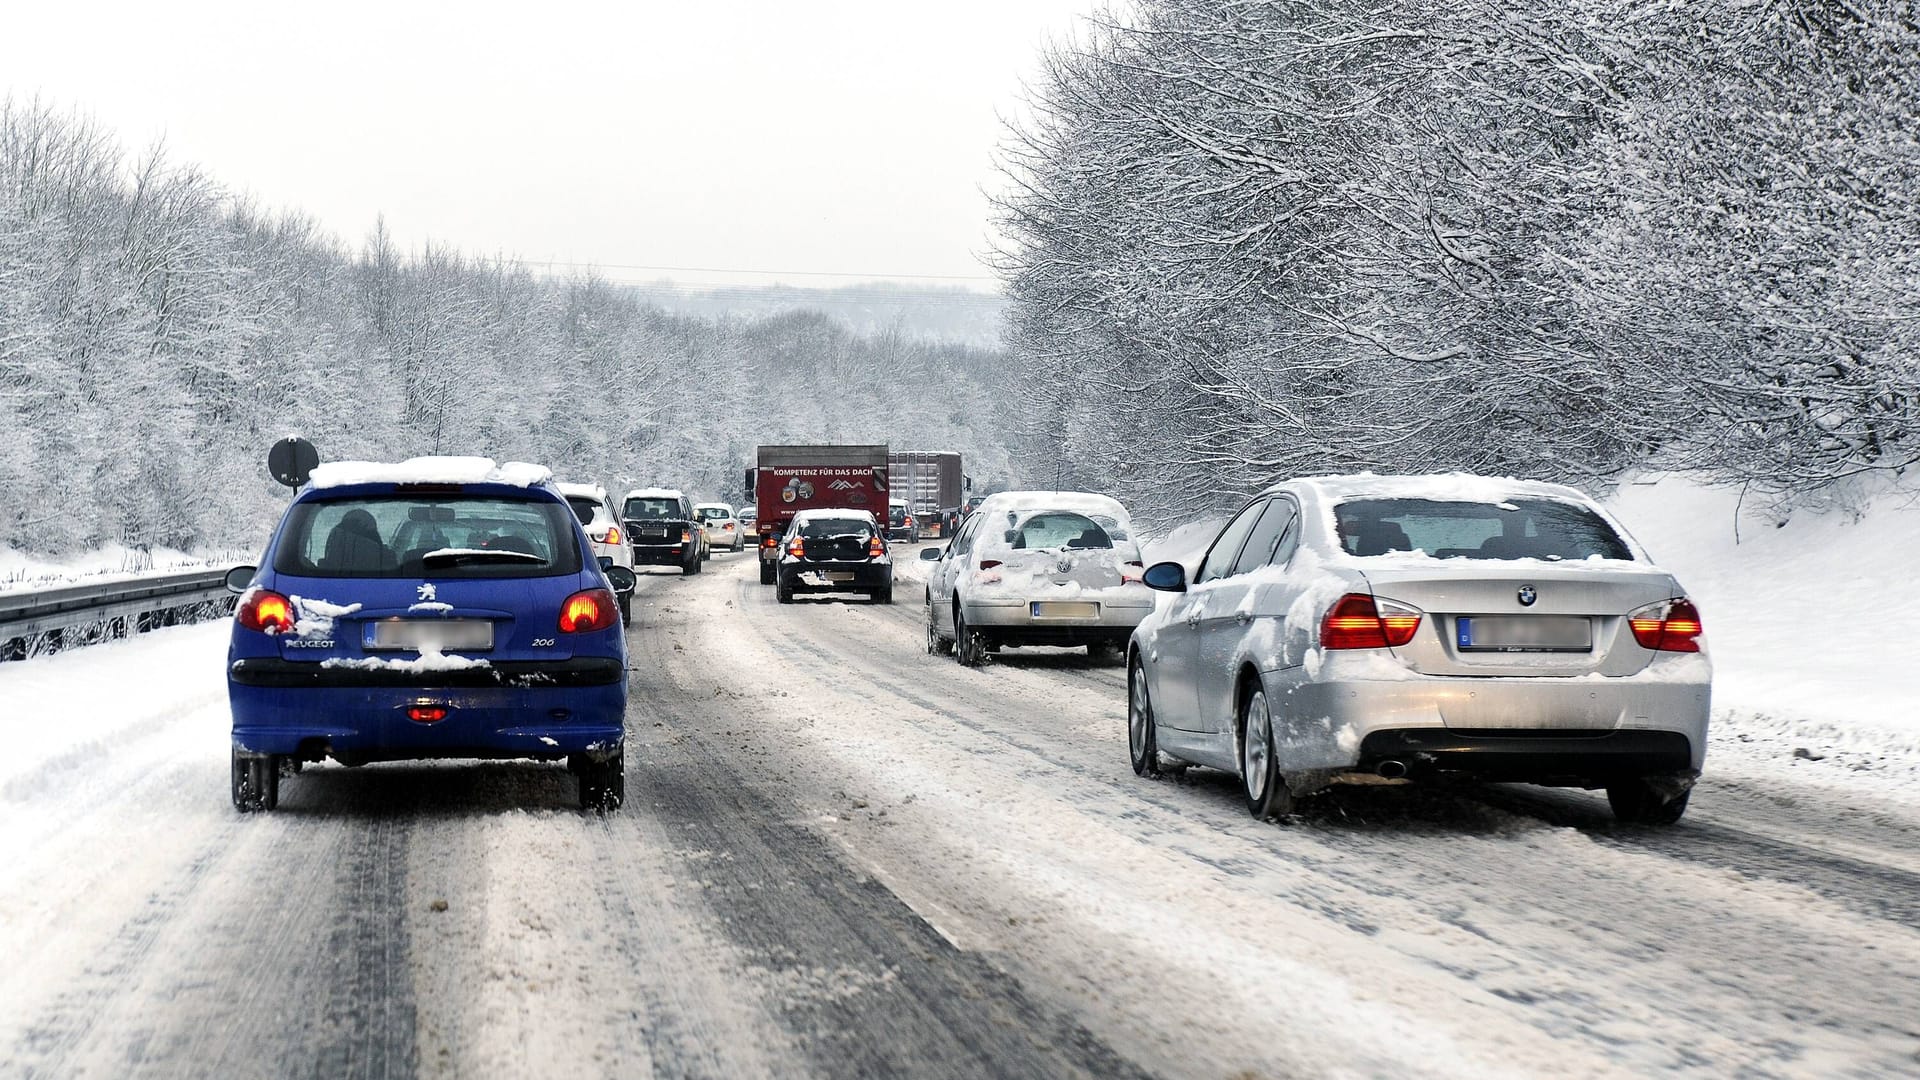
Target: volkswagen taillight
[[588, 610], [266, 611], [1668, 626], [1359, 621]]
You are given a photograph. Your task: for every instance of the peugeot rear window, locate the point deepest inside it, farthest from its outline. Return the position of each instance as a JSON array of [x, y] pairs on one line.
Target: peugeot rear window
[[1514, 529], [442, 536], [651, 509]]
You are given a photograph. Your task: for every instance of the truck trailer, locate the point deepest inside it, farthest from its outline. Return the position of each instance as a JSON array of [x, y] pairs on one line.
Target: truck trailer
[[933, 486], [788, 479]]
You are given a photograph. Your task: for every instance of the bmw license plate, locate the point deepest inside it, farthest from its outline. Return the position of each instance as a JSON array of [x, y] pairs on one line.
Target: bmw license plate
[[1065, 609], [1524, 633], [461, 635]]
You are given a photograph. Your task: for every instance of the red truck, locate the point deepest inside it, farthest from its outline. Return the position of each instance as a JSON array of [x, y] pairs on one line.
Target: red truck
[[787, 479]]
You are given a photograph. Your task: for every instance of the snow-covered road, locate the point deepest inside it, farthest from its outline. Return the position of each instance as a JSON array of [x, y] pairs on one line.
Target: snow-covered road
[[841, 856]]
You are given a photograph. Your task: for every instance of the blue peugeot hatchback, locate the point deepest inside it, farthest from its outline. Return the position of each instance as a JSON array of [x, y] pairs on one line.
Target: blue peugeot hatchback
[[432, 608]]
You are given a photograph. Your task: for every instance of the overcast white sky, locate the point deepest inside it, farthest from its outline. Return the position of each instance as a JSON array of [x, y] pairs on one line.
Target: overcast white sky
[[793, 135]]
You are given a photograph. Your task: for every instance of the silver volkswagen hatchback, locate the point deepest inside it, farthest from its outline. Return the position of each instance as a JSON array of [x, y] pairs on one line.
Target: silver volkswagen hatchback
[[1349, 629]]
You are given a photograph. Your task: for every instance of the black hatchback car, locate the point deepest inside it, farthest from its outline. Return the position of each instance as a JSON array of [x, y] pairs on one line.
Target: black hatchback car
[[835, 551], [662, 529]]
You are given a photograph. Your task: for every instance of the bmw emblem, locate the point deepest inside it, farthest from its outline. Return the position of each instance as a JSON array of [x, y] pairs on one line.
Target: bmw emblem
[[1528, 594]]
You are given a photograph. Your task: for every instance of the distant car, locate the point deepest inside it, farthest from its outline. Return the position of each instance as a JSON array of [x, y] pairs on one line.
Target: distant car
[[900, 522], [661, 529], [834, 551], [721, 526], [1425, 628], [749, 519], [592, 506], [434, 608], [1036, 568]]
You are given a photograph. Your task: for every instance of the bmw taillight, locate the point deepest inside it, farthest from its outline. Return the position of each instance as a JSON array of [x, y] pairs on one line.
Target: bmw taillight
[[588, 610], [266, 611], [876, 548], [797, 548], [1359, 621], [1668, 626]]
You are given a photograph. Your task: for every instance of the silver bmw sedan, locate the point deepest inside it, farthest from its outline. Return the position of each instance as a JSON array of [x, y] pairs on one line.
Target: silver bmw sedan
[[1350, 629]]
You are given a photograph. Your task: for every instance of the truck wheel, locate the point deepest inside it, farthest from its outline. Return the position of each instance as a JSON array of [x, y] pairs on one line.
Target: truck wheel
[[766, 572], [256, 782]]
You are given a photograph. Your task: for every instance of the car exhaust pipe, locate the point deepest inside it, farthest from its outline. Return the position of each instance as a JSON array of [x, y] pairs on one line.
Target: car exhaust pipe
[[1392, 770]]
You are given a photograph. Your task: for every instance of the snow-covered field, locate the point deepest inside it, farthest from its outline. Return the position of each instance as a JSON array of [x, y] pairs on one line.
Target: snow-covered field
[[843, 856]]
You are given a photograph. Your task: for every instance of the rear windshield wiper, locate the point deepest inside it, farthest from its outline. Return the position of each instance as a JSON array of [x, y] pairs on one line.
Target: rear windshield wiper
[[462, 556]]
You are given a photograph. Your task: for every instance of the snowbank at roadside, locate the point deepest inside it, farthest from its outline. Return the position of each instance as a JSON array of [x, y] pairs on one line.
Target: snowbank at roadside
[[20, 571]]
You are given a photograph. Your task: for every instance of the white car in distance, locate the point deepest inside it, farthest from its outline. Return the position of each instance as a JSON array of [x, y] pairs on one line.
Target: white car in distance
[[595, 511], [722, 527]]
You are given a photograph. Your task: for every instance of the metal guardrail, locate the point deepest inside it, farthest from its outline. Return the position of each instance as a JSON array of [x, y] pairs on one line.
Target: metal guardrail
[[143, 603]]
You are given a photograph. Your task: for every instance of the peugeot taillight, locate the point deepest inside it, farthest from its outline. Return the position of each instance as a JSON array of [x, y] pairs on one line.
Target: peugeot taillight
[[797, 548], [1668, 626], [1359, 621], [588, 610], [266, 611]]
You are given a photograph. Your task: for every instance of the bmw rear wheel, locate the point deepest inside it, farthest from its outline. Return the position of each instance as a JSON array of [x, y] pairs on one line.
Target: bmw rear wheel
[[1266, 790], [1143, 743]]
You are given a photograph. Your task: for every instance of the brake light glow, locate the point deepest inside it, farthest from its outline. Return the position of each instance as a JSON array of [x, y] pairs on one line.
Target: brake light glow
[[876, 548], [1668, 626], [266, 611], [426, 714], [798, 548], [588, 610], [1360, 621], [613, 535]]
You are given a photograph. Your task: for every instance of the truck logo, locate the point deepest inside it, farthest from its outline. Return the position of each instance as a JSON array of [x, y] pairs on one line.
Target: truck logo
[[842, 485]]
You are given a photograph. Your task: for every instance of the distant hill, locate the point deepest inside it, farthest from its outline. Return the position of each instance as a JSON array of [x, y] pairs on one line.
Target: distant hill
[[943, 313]]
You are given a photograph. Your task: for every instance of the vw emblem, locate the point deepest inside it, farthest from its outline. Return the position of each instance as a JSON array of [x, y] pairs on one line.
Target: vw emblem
[[1528, 594]]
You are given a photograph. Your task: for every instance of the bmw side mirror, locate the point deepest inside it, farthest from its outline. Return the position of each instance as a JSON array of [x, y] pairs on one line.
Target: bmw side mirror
[[1166, 577], [624, 580], [239, 578], [931, 554]]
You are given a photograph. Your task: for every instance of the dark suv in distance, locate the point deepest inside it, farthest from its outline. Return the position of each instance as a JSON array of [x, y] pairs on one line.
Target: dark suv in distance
[[662, 529]]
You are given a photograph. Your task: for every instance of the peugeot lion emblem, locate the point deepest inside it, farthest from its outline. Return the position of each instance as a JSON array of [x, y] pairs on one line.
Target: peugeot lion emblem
[[1528, 594]]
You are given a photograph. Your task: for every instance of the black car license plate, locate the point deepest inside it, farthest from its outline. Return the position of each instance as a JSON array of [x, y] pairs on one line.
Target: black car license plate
[[1524, 633]]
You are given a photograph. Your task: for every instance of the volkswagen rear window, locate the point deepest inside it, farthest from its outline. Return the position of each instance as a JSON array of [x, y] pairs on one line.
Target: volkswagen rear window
[[1514, 529], [439, 536]]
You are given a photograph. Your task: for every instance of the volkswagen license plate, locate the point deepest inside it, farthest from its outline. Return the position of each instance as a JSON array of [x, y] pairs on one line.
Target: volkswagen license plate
[[1065, 609], [446, 635], [1524, 633]]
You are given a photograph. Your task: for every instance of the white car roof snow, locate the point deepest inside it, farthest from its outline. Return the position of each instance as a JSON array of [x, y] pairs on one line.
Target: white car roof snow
[[655, 493], [820, 512], [1445, 487], [710, 506], [583, 491], [1078, 501], [430, 470]]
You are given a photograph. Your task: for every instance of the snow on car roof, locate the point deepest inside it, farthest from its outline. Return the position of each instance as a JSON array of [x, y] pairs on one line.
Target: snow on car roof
[[655, 493], [1445, 487], [828, 512], [429, 470], [1081, 501], [583, 491], [703, 506]]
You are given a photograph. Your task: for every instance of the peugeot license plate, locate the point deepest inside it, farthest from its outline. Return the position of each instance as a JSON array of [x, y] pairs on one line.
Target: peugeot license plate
[[1524, 633], [444, 635]]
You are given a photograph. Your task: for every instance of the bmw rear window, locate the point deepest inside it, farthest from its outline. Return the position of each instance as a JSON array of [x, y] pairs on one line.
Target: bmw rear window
[[442, 536], [1514, 529]]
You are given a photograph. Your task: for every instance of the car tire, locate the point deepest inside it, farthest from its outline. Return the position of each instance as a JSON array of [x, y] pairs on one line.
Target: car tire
[[936, 645], [626, 610], [256, 782], [691, 568], [783, 591], [1105, 652], [1266, 790], [1640, 802], [766, 572], [1143, 742], [603, 784], [883, 596], [969, 645]]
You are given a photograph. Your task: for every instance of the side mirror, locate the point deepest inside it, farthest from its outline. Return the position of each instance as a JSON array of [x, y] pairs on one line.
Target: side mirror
[[624, 580], [606, 561], [239, 578], [931, 554], [1166, 577], [1011, 535]]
